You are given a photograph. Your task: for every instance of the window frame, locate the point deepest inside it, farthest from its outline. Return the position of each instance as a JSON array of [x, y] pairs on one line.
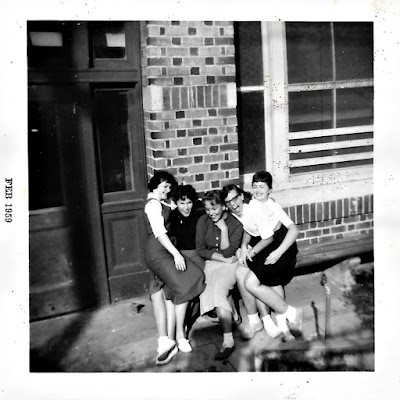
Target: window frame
[[322, 185]]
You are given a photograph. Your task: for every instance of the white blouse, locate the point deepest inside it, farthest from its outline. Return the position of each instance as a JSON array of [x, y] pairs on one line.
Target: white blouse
[[267, 215], [153, 209], [247, 221]]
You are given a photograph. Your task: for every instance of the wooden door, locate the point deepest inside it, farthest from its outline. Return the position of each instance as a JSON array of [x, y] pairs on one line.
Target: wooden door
[[122, 180], [59, 256]]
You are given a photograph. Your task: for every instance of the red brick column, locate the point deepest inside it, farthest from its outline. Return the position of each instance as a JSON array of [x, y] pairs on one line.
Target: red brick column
[[189, 100]]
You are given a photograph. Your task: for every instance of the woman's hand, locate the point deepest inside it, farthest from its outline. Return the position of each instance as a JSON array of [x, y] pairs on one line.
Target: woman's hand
[[250, 253], [273, 257], [241, 259], [180, 263], [242, 255]]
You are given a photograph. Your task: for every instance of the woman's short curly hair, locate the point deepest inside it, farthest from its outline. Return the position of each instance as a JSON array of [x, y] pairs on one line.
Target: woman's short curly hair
[[182, 192], [161, 176]]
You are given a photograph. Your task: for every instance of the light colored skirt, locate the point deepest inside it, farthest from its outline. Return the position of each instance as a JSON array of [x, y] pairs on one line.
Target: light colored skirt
[[220, 279]]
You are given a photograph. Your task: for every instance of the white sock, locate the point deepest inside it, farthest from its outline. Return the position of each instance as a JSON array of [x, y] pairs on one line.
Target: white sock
[[270, 327], [163, 342], [228, 339], [281, 322], [253, 318], [163, 339], [290, 313]]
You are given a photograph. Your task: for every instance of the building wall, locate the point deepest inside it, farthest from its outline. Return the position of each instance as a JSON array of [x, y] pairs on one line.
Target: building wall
[[189, 97]]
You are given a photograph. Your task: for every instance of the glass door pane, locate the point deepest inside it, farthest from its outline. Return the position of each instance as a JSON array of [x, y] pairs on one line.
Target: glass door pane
[[50, 44], [113, 139], [108, 40], [45, 190]]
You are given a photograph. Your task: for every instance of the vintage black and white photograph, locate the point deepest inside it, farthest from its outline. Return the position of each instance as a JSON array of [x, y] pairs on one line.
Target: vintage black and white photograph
[[201, 196]]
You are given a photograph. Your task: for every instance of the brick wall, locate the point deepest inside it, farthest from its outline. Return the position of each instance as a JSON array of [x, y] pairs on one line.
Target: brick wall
[[331, 220], [189, 97]]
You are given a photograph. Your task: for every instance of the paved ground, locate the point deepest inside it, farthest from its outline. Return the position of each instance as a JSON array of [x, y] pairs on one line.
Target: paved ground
[[122, 337]]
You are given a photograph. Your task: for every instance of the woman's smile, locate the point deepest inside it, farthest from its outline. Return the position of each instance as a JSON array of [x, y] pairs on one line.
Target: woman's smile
[[214, 211]]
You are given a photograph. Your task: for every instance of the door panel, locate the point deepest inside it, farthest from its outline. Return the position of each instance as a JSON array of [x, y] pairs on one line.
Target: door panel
[[124, 233], [59, 260]]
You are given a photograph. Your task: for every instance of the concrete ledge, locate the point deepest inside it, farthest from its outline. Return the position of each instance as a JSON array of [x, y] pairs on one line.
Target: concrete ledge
[[334, 251]]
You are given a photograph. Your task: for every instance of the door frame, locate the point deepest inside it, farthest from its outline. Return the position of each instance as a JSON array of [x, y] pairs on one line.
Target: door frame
[[92, 194]]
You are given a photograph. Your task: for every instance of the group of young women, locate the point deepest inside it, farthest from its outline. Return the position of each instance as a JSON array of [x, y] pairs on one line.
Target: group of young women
[[201, 253]]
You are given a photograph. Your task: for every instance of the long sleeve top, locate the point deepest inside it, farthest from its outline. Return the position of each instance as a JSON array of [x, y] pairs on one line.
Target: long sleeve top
[[267, 215], [208, 237], [183, 229]]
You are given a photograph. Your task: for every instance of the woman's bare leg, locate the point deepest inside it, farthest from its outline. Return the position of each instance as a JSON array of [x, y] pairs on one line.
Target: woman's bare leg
[[159, 312], [171, 320], [180, 312], [265, 294]]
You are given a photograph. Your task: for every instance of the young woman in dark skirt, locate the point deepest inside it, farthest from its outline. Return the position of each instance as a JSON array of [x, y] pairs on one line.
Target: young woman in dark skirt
[[271, 262], [182, 228], [175, 280]]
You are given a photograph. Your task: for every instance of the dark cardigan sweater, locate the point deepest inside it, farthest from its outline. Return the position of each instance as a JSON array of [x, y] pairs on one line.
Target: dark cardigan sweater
[[208, 237]]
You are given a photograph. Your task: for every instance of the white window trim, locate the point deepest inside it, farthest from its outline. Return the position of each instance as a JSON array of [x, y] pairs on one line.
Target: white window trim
[[307, 187]]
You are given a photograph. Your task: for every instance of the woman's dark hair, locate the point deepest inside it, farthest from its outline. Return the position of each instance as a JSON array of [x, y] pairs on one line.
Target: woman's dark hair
[[184, 192], [161, 176], [263, 176], [231, 186], [214, 197]]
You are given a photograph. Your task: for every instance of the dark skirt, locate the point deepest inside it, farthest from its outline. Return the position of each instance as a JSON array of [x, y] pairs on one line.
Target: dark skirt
[[179, 286], [280, 273]]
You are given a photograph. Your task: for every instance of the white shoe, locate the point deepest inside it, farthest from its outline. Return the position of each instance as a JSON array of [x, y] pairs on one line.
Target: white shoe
[[270, 327], [184, 346], [250, 330], [166, 350], [295, 326]]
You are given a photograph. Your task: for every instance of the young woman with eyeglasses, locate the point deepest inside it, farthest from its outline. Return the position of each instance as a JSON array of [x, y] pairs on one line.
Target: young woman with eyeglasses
[[269, 250]]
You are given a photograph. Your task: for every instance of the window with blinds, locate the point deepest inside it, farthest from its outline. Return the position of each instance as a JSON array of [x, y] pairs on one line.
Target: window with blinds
[[330, 95]]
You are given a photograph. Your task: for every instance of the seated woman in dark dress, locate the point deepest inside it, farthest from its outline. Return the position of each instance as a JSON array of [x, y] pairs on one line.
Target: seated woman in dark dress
[[182, 230], [183, 221], [175, 279]]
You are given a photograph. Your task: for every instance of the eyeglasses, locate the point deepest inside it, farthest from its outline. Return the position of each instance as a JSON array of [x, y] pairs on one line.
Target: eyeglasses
[[232, 200]]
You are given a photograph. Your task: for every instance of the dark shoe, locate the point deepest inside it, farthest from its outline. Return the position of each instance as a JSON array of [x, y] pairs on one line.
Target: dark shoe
[[224, 354]]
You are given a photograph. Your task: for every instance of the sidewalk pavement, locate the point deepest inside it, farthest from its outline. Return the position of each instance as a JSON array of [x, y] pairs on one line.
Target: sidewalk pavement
[[122, 336]]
